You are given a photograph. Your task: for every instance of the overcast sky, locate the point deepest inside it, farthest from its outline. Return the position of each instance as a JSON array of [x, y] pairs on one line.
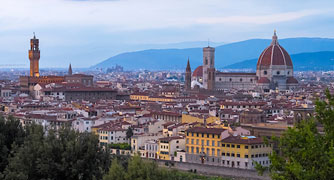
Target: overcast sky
[[85, 32]]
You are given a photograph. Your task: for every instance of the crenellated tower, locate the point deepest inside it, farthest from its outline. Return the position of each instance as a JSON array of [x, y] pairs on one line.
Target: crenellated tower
[[34, 56]]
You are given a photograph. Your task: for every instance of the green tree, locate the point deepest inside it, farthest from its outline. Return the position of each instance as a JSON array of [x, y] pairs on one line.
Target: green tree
[[307, 152], [11, 134], [58, 154], [116, 171], [129, 133]]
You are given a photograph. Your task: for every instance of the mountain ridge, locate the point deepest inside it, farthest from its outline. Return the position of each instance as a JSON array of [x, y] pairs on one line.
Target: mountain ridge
[[226, 54]]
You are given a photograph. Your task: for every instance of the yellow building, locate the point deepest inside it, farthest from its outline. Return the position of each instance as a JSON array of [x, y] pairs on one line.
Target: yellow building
[[169, 145], [203, 144], [144, 97], [242, 151], [186, 118], [215, 146]]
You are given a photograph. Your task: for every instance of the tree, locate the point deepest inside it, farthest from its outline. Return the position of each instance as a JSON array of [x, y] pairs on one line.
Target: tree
[[59, 154], [307, 153], [11, 134], [116, 171], [129, 133]]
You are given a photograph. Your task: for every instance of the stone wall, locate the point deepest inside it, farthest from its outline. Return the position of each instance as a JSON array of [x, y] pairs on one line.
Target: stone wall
[[214, 170]]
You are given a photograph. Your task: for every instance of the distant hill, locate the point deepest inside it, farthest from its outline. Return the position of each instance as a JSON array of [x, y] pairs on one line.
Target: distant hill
[[314, 61], [227, 54]]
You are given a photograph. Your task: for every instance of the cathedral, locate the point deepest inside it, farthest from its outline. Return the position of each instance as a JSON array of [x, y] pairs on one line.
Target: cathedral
[[274, 71]]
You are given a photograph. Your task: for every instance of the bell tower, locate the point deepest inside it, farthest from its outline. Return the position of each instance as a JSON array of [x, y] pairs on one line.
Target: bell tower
[[188, 77], [34, 55], [209, 71]]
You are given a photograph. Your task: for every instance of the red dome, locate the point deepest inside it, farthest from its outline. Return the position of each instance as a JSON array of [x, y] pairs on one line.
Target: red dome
[[274, 55], [198, 72]]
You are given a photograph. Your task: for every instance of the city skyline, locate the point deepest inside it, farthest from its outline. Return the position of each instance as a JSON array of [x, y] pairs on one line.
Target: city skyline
[[87, 32]]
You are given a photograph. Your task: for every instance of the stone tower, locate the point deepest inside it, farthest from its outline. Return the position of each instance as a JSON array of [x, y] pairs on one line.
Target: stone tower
[[209, 71], [188, 77], [70, 70], [34, 55]]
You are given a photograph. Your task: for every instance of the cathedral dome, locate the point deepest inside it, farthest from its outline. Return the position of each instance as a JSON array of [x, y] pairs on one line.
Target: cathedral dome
[[198, 72], [274, 55]]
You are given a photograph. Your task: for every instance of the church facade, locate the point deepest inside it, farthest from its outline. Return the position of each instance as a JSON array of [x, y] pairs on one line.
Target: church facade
[[274, 71]]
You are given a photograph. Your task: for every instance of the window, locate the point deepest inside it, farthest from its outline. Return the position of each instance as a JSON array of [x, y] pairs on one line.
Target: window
[[265, 72], [227, 145], [230, 79], [187, 141], [246, 155], [223, 145], [278, 72], [238, 146], [192, 141], [192, 150], [218, 143], [207, 135], [227, 154], [197, 150], [232, 154], [238, 155], [246, 147], [197, 141], [218, 152], [202, 142], [223, 161], [240, 79], [213, 152], [213, 143], [246, 164], [233, 146], [207, 142], [223, 154], [238, 163], [207, 151]]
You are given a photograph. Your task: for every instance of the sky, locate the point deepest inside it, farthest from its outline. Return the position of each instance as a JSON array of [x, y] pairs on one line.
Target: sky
[[86, 32]]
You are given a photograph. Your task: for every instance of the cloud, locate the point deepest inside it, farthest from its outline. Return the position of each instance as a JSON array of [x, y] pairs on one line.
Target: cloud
[[132, 15], [262, 19]]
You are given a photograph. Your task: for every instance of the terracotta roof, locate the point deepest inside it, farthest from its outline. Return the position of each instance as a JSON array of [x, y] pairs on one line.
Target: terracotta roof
[[205, 130], [198, 72], [237, 73], [241, 140], [263, 80], [170, 138], [291, 80]]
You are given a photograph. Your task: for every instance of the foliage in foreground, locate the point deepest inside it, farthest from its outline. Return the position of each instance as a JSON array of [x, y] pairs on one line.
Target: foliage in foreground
[[11, 134], [307, 153], [61, 154], [139, 169]]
